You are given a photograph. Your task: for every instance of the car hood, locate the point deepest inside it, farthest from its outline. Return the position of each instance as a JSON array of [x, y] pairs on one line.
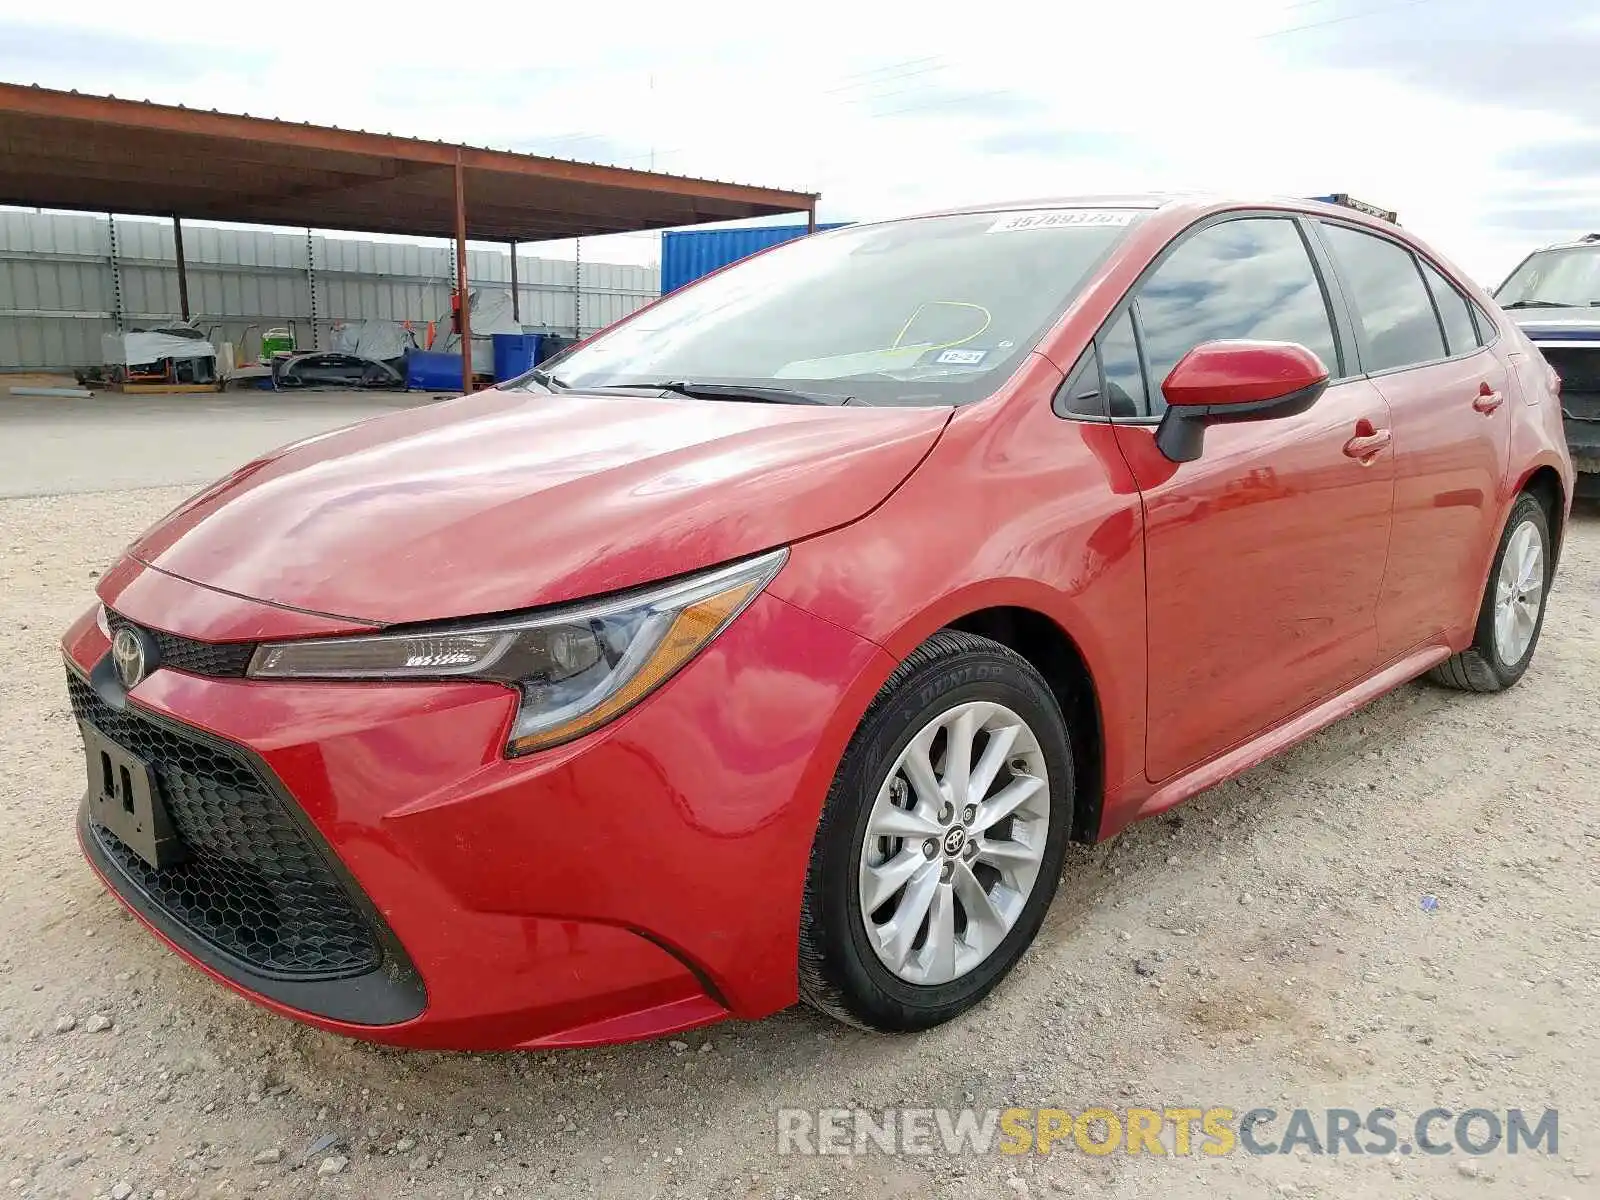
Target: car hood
[[1557, 324], [506, 500]]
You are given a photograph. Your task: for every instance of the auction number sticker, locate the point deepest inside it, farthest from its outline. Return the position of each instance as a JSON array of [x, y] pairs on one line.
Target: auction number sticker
[[1061, 218]]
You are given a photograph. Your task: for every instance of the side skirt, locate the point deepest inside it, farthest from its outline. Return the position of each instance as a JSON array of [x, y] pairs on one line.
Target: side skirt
[[1296, 729]]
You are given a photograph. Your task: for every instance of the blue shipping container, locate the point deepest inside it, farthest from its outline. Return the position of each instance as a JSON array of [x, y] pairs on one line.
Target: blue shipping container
[[688, 254]]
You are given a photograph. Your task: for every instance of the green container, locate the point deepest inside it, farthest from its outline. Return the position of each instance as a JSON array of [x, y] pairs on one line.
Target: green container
[[276, 341]]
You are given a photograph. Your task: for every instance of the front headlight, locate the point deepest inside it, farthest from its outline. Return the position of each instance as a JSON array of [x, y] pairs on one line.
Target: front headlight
[[576, 668]]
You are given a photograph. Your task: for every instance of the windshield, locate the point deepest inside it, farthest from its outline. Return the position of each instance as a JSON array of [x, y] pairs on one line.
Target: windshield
[[1554, 279], [928, 311]]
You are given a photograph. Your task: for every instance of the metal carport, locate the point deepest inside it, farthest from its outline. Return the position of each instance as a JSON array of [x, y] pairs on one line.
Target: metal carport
[[67, 150]]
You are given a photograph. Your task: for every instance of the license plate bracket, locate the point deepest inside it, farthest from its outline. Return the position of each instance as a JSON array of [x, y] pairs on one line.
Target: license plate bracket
[[123, 798]]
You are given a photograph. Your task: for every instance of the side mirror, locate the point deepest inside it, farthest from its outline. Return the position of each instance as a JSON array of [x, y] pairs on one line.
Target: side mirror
[[1221, 382]]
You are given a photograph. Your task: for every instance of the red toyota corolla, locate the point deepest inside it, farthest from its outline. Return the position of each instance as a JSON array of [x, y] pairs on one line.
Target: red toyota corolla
[[774, 643]]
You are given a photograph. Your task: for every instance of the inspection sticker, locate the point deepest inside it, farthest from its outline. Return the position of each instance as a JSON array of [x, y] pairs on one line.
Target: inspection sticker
[[962, 357], [1062, 218]]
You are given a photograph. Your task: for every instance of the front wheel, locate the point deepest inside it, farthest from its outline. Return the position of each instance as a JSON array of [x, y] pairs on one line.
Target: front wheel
[[1511, 614], [941, 841]]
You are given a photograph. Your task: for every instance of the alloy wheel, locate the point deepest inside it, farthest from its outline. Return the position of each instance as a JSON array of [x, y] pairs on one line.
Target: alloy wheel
[[954, 843], [1519, 593]]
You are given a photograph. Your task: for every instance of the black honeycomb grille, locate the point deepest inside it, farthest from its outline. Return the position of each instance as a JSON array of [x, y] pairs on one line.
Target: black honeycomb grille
[[224, 660], [255, 886]]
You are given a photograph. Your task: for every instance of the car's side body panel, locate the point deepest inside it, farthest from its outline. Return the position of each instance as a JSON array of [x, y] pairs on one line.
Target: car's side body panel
[[1264, 559], [1016, 508], [1451, 461]]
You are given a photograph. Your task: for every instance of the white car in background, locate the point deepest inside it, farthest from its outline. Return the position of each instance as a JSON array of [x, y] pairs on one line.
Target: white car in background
[[1554, 295]]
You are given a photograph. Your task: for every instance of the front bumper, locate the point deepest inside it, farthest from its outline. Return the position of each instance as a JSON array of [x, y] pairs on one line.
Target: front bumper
[[639, 881], [1583, 443]]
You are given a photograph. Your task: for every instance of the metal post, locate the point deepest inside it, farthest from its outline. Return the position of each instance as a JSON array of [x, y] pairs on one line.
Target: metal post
[[183, 273], [516, 300], [577, 288], [116, 273], [811, 219], [311, 285], [461, 276]]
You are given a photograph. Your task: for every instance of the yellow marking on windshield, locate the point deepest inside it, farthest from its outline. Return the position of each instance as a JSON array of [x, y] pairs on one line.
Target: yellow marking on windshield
[[988, 320]]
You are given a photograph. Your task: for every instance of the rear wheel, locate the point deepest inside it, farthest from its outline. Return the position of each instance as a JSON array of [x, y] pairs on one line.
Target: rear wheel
[[941, 840], [1512, 612]]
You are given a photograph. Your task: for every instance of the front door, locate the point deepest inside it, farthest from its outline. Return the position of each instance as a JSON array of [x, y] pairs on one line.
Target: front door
[[1263, 557]]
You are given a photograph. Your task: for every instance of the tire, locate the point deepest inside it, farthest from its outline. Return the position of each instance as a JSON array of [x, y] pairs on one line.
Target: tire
[[1490, 664], [979, 687]]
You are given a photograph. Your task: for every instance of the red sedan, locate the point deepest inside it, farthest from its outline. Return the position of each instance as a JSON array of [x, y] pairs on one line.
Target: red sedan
[[774, 643]]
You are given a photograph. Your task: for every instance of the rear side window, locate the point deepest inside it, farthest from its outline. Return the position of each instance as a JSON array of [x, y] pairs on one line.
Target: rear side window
[[1247, 278], [1487, 330], [1455, 311], [1389, 300]]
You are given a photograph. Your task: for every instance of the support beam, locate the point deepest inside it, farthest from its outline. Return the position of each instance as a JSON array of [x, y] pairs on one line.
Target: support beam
[[811, 219], [516, 300], [183, 271], [461, 276]]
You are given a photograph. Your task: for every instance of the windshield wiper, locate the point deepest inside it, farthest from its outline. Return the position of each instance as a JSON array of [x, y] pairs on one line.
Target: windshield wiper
[[546, 380], [1540, 304], [727, 391]]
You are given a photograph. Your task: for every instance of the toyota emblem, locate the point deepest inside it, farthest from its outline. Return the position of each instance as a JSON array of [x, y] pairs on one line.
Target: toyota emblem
[[127, 656]]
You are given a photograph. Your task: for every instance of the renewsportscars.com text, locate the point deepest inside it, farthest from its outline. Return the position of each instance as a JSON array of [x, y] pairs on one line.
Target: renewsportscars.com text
[[1167, 1131]]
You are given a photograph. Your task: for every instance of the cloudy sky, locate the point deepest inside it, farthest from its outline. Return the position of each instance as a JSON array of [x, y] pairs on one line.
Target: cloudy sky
[[1478, 120]]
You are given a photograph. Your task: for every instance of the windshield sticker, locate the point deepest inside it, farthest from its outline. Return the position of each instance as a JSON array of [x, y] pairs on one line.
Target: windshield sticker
[[1061, 218], [963, 357]]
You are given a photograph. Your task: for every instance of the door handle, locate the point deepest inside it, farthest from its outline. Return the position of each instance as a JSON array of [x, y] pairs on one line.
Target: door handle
[[1487, 399], [1367, 443]]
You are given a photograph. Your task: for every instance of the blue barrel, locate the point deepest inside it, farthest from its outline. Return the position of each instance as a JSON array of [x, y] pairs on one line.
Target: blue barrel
[[514, 354]]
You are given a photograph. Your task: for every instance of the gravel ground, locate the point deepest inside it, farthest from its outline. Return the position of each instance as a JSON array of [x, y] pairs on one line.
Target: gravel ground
[[1266, 944]]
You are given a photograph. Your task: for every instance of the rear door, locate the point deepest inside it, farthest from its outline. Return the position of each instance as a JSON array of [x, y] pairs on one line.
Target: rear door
[[1264, 556], [1451, 401]]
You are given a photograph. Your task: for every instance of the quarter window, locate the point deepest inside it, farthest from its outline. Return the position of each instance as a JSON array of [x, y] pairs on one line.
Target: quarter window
[[1080, 395], [1119, 357], [1247, 278], [1455, 311], [1388, 299]]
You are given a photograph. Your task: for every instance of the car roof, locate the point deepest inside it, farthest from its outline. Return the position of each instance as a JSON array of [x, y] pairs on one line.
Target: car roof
[[1591, 240], [1192, 203]]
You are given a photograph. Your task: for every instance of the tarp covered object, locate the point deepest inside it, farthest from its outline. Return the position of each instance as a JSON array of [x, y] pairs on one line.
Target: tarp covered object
[[490, 313], [382, 340], [132, 349]]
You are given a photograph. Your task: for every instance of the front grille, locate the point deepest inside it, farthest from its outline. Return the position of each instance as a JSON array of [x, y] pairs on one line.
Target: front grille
[[224, 660], [255, 885]]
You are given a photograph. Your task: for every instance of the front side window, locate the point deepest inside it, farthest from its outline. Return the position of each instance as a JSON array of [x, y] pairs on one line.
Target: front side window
[[1455, 311], [1567, 278], [927, 311], [1250, 278], [1387, 298]]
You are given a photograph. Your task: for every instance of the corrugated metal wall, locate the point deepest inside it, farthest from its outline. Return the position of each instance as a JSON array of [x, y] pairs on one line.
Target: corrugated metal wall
[[63, 284]]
